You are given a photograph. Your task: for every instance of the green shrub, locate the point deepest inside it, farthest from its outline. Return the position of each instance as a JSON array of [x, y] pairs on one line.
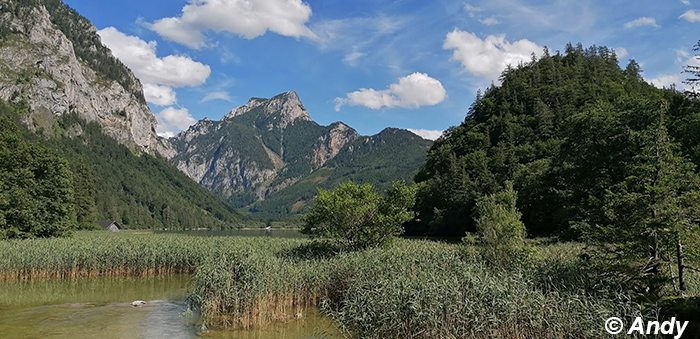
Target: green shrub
[[356, 217]]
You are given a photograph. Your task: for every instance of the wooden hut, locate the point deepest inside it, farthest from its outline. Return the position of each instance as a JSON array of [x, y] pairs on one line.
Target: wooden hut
[[109, 225]]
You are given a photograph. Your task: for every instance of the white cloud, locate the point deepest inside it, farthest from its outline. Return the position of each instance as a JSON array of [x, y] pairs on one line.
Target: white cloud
[[140, 56], [490, 21], [217, 96], [172, 120], [621, 52], [412, 91], [643, 21], [691, 15], [159, 95], [666, 80], [685, 2], [426, 133], [488, 57], [247, 18], [351, 58], [472, 10], [227, 57], [158, 75]]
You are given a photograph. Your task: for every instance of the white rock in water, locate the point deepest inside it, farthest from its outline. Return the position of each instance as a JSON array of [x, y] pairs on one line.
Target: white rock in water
[[138, 303]]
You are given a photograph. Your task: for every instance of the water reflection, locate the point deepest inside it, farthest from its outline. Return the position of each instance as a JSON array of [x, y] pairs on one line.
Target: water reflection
[[101, 308]]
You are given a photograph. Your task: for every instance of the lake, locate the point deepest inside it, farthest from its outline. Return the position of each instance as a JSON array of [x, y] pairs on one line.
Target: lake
[[100, 307], [274, 233]]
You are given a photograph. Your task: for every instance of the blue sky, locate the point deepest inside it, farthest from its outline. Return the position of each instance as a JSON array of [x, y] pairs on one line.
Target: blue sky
[[371, 64]]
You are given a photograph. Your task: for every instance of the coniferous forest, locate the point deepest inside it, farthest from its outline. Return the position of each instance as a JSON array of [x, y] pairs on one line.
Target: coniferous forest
[[57, 181], [570, 130]]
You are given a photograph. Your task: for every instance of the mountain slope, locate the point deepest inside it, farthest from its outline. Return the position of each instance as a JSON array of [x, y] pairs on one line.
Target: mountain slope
[[52, 59], [393, 154], [269, 156], [61, 88]]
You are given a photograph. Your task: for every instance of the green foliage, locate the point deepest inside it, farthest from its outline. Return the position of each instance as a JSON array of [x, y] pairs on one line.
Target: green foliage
[[36, 187], [501, 232], [379, 160], [650, 215], [556, 128], [356, 217], [84, 188], [105, 181], [390, 293], [139, 191]]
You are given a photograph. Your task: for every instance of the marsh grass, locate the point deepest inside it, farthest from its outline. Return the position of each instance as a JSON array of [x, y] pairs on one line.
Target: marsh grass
[[412, 289], [415, 289]]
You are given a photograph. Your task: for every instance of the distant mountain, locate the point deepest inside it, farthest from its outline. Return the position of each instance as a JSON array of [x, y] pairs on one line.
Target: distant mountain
[[270, 157]]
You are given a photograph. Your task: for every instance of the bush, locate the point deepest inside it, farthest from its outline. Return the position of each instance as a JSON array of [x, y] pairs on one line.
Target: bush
[[501, 232], [356, 217]]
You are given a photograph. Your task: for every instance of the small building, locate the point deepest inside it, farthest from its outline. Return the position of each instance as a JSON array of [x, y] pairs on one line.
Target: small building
[[109, 225]]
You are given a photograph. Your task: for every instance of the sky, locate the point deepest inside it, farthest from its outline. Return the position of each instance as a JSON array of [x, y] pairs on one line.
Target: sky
[[371, 64]]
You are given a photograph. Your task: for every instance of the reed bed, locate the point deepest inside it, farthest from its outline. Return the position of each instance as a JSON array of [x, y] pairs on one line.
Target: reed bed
[[116, 254], [415, 289]]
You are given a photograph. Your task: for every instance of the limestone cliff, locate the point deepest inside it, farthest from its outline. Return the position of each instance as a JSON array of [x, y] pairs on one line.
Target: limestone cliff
[[51, 58], [271, 150], [258, 148]]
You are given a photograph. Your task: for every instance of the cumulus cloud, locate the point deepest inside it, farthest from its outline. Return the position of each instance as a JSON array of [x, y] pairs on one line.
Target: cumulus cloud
[[488, 57], [621, 52], [691, 15], [158, 75], [140, 56], [643, 21], [246, 18], [412, 91], [173, 120], [159, 95], [666, 80], [217, 96], [426, 133]]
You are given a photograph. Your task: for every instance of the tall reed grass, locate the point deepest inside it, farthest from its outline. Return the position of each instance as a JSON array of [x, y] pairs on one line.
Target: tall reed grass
[[415, 289], [117, 254]]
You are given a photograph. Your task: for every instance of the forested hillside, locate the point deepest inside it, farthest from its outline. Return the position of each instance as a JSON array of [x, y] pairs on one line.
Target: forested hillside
[[566, 129], [393, 154], [95, 178]]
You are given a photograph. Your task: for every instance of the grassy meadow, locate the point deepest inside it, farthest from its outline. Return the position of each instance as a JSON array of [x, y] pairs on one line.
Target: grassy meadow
[[411, 289]]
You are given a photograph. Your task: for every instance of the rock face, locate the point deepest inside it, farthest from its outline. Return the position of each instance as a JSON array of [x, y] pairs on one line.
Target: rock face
[[270, 148], [259, 148], [51, 58]]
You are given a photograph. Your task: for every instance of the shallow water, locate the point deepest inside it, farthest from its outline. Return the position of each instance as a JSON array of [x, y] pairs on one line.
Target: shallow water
[[101, 308], [273, 233]]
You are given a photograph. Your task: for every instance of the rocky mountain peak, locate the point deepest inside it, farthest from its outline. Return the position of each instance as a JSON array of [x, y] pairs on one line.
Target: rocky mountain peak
[[287, 105], [52, 59]]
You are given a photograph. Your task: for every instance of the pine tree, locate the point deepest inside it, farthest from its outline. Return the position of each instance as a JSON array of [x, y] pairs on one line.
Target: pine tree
[[651, 212]]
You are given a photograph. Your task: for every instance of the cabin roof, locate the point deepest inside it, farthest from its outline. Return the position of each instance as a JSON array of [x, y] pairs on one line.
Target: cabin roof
[[106, 223]]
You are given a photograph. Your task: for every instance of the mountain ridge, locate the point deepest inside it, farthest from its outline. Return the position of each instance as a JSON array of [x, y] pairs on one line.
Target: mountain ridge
[[269, 145]]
